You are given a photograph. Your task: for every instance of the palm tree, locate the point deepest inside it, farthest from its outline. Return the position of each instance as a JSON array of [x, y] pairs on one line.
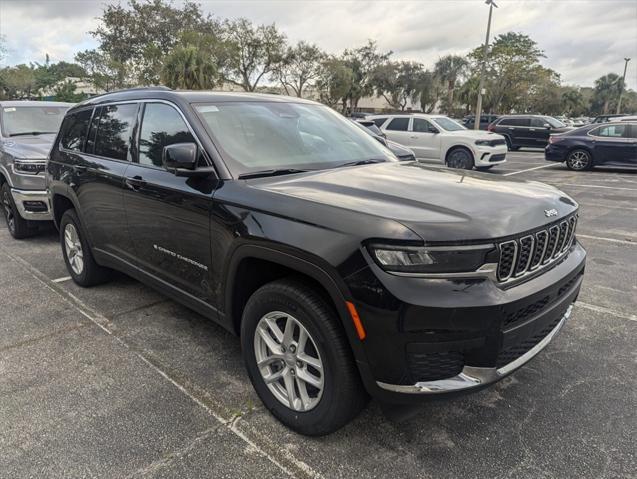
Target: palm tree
[[449, 69], [187, 67], [606, 90]]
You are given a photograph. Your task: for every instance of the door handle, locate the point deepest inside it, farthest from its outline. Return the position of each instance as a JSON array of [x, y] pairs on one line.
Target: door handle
[[80, 168], [531, 129], [413, 136], [510, 128], [135, 182]]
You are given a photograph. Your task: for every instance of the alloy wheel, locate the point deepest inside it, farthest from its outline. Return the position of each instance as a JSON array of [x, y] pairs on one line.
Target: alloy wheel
[[73, 247], [459, 159], [289, 361], [8, 212], [578, 160]]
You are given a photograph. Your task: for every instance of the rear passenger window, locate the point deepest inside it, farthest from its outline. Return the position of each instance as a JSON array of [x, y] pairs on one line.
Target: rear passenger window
[[75, 127], [398, 124], [516, 122], [114, 131], [379, 121], [162, 126], [611, 131]]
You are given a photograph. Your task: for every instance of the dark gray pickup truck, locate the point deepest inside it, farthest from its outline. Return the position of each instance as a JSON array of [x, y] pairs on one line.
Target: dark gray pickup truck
[[27, 131]]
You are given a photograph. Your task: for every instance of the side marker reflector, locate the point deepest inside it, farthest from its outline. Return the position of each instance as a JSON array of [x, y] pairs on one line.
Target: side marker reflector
[[356, 320]]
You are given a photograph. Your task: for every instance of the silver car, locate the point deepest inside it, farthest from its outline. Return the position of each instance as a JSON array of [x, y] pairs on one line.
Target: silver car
[[27, 131]]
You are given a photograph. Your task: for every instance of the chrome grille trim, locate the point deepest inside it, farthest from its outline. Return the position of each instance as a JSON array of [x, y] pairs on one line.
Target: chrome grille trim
[[555, 242]]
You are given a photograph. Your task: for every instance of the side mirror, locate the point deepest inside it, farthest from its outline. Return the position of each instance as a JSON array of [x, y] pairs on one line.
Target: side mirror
[[180, 159], [546, 125], [433, 130]]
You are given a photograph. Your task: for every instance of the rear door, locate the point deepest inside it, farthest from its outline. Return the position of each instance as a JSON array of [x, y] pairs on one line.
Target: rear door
[[612, 145], [517, 129], [397, 129], [425, 139], [98, 176], [169, 216]]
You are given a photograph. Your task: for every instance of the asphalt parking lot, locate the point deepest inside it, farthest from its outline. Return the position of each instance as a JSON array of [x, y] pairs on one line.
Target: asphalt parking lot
[[119, 381]]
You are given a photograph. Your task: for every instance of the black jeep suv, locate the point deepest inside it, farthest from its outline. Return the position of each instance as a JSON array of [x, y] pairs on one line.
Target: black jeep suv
[[531, 131], [344, 271]]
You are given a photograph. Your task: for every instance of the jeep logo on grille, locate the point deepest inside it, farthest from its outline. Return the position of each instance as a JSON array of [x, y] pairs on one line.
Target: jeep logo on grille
[[550, 213]]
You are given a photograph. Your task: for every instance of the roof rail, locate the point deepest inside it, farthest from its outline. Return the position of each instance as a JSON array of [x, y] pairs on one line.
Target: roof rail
[[139, 88]]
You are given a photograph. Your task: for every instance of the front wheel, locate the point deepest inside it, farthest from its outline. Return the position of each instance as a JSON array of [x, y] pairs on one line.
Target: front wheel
[[18, 227], [299, 360], [77, 253], [460, 158], [579, 160]]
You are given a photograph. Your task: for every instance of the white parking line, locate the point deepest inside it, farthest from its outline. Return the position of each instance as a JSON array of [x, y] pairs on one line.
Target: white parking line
[[61, 280], [598, 186], [531, 169], [302, 469], [602, 309], [612, 240]]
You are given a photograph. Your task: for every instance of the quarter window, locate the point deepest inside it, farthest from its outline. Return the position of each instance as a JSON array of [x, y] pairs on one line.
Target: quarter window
[[114, 131], [75, 128], [398, 124], [379, 121], [162, 126], [611, 131]]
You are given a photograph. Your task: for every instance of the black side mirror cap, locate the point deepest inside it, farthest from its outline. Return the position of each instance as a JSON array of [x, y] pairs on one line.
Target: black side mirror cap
[[180, 159]]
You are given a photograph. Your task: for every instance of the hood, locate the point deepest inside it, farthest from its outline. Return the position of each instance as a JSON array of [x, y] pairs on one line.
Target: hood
[[476, 134], [438, 204], [29, 147]]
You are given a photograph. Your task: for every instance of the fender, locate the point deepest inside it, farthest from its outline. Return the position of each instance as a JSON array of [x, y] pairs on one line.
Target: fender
[[62, 189], [6, 174], [334, 286]]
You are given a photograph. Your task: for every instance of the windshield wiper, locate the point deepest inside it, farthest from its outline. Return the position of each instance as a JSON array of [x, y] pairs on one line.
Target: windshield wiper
[[273, 172], [362, 162], [24, 133]]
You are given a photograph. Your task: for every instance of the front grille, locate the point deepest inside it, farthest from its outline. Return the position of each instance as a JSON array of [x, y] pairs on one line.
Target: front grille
[[498, 157], [514, 352], [520, 256], [432, 366]]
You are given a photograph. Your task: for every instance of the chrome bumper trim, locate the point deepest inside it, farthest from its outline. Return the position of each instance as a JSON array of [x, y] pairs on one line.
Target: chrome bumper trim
[[472, 377], [20, 196]]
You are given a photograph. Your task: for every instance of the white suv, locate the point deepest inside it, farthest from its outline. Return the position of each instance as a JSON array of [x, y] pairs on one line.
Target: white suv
[[437, 137]]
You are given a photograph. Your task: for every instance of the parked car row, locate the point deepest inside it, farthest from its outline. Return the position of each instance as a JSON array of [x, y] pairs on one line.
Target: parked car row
[[345, 272]]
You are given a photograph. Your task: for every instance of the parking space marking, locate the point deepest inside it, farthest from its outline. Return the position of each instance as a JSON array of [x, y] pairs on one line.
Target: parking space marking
[[301, 468], [531, 169], [612, 240], [61, 280], [578, 185], [602, 309]]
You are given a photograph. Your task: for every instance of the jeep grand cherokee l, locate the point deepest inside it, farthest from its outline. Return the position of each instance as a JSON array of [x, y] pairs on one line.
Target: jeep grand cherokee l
[[343, 271], [27, 131]]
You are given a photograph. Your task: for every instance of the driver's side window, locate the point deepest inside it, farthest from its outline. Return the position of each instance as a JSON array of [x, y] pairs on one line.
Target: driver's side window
[[422, 126]]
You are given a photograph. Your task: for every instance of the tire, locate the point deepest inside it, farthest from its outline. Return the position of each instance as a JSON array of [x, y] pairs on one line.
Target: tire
[[77, 253], [460, 158], [484, 168], [510, 146], [18, 227], [337, 396], [579, 160]]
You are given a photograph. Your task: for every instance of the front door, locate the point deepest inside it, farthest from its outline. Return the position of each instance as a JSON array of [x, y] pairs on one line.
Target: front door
[[539, 132], [168, 216], [612, 147], [425, 139]]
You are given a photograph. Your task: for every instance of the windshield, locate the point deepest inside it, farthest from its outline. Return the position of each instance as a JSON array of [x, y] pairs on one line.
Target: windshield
[[25, 120], [448, 124], [257, 136], [553, 122]]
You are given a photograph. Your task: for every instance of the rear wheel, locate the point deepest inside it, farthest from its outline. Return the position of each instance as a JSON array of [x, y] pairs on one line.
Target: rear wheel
[[510, 146], [299, 360], [18, 227], [77, 253], [460, 158], [579, 160]]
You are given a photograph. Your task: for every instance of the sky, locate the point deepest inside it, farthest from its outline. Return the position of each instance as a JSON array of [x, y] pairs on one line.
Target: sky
[[582, 39]]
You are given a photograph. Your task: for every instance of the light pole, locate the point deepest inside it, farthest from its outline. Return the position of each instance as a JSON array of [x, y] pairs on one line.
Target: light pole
[[621, 90], [476, 123]]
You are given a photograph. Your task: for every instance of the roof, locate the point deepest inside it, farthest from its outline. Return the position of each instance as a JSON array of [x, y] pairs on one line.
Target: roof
[[10, 103], [187, 96]]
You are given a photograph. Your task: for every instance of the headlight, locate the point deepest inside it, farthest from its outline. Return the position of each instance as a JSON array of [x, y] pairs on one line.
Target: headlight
[[483, 143], [432, 259], [29, 167]]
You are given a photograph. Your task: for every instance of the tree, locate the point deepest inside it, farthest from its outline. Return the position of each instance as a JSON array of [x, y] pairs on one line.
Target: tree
[[3, 47], [605, 93], [572, 102], [65, 91], [428, 91], [363, 62], [19, 82], [299, 66], [188, 67], [397, 82], [468, 94], [135, 38], [334, 82], [253, 52], [101, 70], [544, 94], [449, 69]]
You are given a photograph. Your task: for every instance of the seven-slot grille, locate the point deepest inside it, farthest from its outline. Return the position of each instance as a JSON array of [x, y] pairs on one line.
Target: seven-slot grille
[[527, 253]]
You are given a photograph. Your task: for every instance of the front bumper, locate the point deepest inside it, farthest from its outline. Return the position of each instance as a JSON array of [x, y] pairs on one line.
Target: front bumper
[[32, 205], [490, 155], [473, 377]]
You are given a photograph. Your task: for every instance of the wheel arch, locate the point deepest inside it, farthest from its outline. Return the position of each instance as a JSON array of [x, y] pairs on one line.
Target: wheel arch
[[459, 146], [581, 146]]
